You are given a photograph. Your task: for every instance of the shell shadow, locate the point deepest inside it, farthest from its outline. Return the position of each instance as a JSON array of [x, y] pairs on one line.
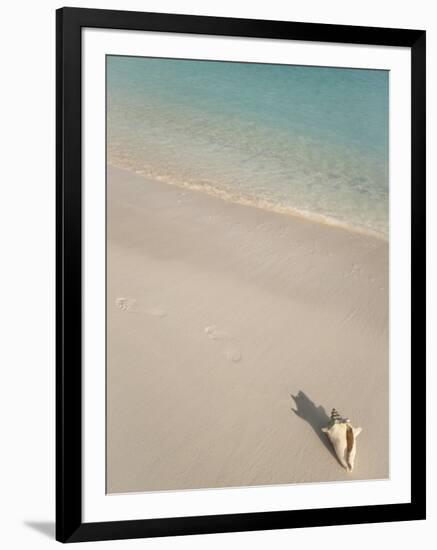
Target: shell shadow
[[315, 416]]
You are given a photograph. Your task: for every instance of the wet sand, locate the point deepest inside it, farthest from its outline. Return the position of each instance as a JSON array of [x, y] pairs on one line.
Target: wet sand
[[232, 332]]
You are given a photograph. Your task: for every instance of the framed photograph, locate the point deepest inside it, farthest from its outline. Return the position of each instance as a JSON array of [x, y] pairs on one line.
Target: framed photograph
[[240, 274]]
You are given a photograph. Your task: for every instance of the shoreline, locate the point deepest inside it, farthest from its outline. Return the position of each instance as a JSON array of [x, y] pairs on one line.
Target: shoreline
[[262, 204], [232, 332]]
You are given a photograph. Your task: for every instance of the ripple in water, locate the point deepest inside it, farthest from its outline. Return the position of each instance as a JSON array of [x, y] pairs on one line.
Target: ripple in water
[[302, 140]]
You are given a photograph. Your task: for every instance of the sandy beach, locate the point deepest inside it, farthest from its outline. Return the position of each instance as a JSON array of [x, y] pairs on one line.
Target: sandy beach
[[232, 332]]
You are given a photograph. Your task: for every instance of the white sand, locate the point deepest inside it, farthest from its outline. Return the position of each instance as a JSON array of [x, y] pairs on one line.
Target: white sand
[[222, 319]]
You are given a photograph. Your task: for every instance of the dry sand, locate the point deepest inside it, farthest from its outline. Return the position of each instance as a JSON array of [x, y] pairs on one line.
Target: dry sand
[[232, 332]]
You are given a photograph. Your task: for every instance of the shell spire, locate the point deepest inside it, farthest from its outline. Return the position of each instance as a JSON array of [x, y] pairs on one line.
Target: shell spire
[[336, 417]]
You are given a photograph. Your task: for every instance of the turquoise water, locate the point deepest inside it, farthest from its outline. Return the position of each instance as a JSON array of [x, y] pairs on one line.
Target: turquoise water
[[305, 140]]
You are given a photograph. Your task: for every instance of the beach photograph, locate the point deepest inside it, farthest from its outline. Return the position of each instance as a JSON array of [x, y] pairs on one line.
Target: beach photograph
[[247, 274]]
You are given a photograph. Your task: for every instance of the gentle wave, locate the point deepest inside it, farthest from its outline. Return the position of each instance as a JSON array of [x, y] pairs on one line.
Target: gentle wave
[[305, 141], [255, 202]]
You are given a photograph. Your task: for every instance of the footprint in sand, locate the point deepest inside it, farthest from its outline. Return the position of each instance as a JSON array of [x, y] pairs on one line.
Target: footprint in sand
[[125, 304], [130, 304], [354, 271], [233, 355], [214, 334], [230, 351]]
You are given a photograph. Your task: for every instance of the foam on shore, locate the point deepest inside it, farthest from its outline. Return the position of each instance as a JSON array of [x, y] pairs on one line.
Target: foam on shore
[[256, 202]]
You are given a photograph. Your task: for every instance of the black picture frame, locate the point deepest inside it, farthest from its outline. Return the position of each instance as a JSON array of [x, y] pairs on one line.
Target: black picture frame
[[69, 525]]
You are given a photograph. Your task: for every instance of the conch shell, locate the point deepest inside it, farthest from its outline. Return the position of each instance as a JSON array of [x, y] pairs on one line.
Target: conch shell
[[343, 437]]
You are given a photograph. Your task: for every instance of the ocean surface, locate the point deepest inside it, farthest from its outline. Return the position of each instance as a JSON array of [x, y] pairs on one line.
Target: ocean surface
[[311, 141]]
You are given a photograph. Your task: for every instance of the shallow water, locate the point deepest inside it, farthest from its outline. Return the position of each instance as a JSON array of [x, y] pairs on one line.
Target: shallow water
[[306, 140]]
